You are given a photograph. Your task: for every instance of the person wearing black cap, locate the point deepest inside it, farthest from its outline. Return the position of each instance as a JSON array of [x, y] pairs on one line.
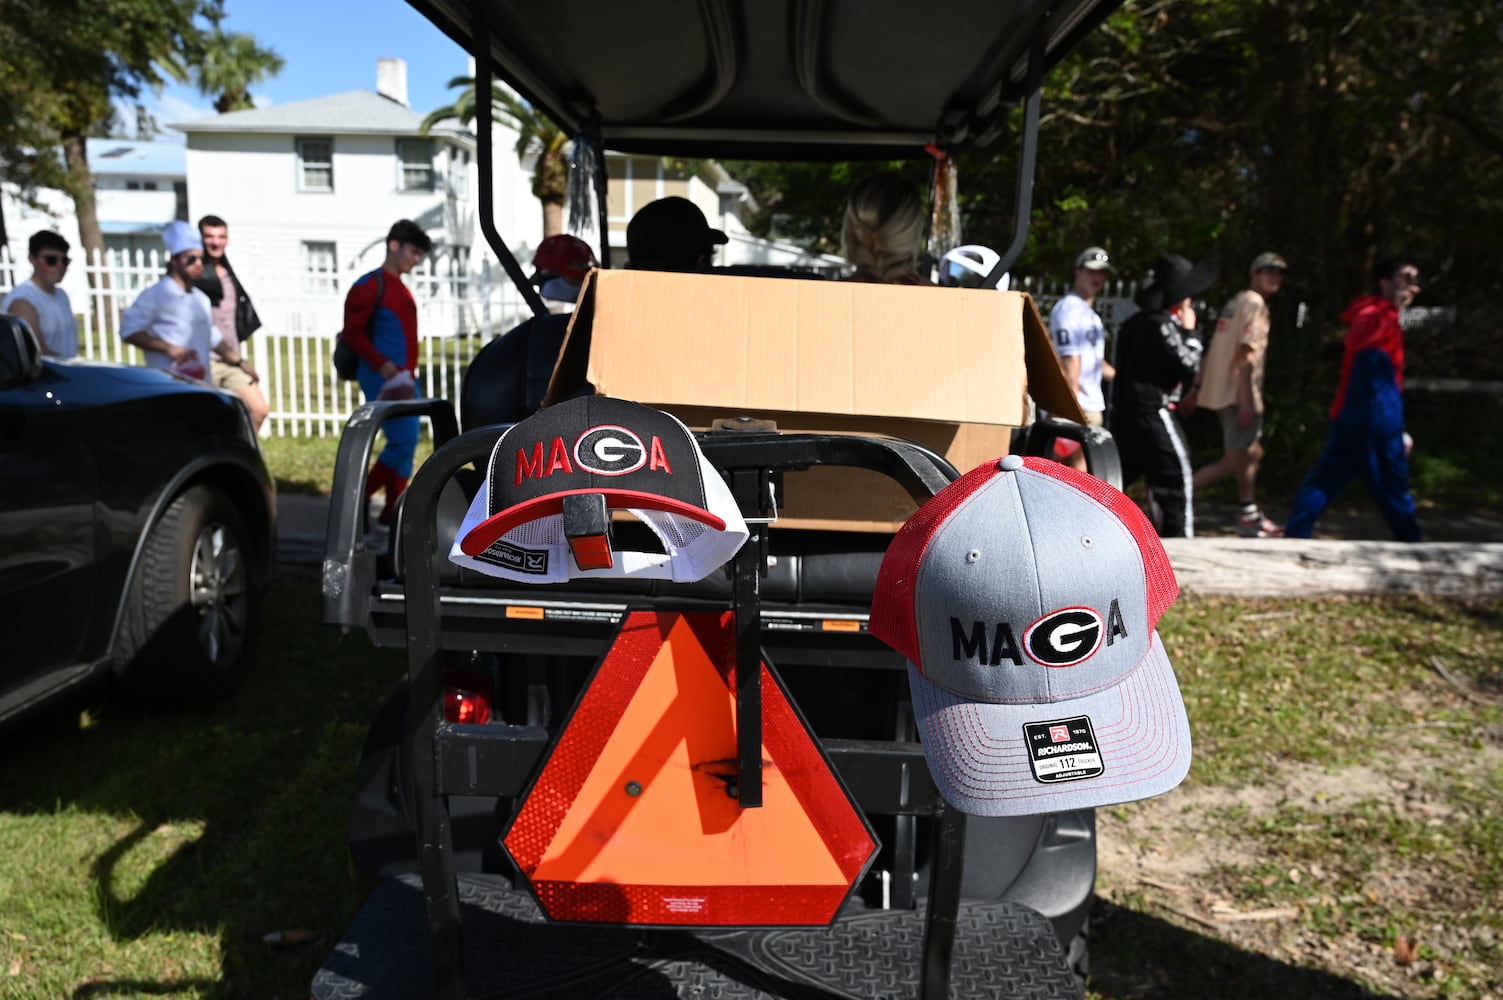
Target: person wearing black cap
[[671, 234], [1158, 353]]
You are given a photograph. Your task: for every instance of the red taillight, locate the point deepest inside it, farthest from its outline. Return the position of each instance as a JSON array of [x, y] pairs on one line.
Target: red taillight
[[465, 699]]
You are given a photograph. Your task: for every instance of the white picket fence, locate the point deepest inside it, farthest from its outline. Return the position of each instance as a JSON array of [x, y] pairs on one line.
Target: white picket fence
[[301, 313]]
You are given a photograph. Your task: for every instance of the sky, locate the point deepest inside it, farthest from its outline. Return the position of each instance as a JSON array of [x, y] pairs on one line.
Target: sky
[[330, 47]]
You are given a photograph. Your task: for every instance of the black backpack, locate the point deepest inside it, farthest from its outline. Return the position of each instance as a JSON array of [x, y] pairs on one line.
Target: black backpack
[[346, 361]]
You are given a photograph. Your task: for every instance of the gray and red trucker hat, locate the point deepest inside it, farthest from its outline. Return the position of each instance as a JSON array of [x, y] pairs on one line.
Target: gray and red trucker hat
[[637, 458], [1026, 597]]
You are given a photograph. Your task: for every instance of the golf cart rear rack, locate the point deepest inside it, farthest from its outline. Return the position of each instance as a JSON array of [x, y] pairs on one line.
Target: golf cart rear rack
[[800, 602]]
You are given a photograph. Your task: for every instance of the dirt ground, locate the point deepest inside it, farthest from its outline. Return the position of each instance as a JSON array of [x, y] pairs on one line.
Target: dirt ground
[[1164, 863]]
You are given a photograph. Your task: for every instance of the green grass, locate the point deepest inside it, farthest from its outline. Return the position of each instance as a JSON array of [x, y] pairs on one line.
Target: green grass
[[306, 464], [148, 855]]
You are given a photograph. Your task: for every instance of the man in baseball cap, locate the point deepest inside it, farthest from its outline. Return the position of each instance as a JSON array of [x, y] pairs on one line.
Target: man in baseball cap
[[1231, 384], [671, 234], [1079, 338], [1026, 596]]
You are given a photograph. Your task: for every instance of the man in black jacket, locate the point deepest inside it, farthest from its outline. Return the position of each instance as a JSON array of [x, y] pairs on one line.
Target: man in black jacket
[[1158, 356], [233, 314]]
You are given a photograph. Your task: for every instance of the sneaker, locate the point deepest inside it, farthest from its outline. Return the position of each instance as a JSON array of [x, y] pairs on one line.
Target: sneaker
[[1256, 525]]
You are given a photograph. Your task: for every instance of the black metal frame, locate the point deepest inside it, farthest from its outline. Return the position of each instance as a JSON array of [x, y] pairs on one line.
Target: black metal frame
[[884, 777], [498, 759]]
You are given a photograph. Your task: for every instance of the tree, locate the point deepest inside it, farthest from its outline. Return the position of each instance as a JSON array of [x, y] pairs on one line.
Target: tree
[[537, 135], [232, 63], [1332, 131], [66, 61]]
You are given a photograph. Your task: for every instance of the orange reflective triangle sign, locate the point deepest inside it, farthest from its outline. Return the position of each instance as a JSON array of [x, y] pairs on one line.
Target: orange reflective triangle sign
[[634, 817]]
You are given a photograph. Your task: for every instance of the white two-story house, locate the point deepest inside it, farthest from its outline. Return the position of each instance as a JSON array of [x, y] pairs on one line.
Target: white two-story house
[[317, 183]]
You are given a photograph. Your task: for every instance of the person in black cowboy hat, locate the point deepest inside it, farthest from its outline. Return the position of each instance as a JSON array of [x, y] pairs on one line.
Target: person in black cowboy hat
[[1158, 353]]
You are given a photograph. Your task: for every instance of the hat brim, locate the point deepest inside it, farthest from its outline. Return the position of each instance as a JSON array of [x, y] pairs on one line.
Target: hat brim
[[493, 528], [1178, 287], [980, 759], [717, 237], [1097, 265]]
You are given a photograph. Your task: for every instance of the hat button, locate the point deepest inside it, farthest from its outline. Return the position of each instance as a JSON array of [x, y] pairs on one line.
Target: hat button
[[1010, 463]]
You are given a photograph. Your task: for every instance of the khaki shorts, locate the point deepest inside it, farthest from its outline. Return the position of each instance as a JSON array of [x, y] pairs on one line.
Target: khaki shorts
[[1235, 437], [1095, 418], [227, 376]]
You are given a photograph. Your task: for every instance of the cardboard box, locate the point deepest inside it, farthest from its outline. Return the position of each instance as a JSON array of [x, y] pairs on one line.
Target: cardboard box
[[950, 368]]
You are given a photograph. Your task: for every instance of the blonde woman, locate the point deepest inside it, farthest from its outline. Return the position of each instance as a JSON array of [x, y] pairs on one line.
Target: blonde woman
[[884, 227]]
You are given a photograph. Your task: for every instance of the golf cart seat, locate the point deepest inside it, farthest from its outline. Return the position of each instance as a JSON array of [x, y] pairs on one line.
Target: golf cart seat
[[506, 381]]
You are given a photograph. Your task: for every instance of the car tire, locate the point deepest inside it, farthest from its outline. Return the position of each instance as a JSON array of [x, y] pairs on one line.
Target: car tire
[[187, 626]]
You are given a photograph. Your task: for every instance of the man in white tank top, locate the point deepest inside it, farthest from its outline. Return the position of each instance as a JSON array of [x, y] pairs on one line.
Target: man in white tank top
[[40, 302]]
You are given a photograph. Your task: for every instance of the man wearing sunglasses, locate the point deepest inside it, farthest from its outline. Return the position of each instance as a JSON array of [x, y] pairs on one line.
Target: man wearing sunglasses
[[171, 321], [40, 302]]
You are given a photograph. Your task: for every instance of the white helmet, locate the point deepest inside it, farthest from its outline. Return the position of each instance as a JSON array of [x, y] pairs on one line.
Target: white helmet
[[966, 266]]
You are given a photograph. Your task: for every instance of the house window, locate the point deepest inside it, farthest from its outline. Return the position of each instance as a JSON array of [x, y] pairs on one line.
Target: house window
[[315, 164], [320, 267], [459, 173], [416, 158]]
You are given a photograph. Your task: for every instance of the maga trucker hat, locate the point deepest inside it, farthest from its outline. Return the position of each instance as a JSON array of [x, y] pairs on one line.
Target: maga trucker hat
[[637, 458], [1026, 597]]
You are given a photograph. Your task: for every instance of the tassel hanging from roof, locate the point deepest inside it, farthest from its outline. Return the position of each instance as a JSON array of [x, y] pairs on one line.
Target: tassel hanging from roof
[[584, 185], [944, 221]]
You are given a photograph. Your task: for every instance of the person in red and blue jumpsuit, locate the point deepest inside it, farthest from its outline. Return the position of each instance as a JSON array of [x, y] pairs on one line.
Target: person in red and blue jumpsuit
[[1366, 434], [385, 335]]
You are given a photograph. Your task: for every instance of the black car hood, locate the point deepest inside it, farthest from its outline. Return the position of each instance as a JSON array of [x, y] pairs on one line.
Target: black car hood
[[106, 381], [771, 79]]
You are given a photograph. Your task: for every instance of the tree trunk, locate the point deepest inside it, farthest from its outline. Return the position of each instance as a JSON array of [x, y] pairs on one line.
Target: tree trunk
[[75, 154], [553, 218]]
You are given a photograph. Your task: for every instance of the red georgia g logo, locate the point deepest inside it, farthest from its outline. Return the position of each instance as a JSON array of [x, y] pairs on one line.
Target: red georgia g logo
[[610, 450], [1065, 637]]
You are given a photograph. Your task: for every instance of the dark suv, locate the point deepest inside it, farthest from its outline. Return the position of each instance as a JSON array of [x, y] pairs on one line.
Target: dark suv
[[137, 522]]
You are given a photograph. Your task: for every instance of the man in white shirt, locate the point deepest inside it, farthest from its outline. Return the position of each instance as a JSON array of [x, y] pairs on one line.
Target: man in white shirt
[[1080, 340], [1079, 335], [40, 302], [171, 320]]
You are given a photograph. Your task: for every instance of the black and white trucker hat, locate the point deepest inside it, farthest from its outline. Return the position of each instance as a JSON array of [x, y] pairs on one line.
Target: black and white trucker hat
[[617, 455], [1026, 597]]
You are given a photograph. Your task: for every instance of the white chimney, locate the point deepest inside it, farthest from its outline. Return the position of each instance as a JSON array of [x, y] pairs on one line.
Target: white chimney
[[391, 80]]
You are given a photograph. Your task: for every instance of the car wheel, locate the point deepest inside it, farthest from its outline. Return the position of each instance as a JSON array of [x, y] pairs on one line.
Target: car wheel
[[188, 618]]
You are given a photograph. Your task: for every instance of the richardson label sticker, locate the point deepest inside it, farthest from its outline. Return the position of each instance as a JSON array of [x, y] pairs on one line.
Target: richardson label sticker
[[515, 558], [1062, 750]]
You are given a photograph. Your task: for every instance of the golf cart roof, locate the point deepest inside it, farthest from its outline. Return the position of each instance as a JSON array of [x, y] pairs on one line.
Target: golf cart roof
[[772, 79]]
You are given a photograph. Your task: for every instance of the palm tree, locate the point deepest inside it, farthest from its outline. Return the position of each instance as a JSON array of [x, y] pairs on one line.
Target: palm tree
[[232, 63], [536, 134]]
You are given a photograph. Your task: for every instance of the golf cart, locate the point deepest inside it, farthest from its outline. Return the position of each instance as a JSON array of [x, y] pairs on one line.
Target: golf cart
[[447, 823]]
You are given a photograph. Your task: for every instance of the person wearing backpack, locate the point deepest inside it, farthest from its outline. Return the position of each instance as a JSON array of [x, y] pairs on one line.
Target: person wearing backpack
[[381, 327]]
